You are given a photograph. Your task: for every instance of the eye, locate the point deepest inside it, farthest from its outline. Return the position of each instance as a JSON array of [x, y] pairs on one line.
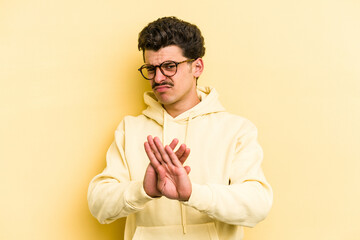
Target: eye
[[150, 69], [168, 66]]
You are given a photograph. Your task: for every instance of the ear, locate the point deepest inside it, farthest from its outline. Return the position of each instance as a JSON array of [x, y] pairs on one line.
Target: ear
[[198, 67]]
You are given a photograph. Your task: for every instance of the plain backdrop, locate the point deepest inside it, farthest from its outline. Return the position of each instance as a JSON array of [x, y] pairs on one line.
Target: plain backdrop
[[68, 75]]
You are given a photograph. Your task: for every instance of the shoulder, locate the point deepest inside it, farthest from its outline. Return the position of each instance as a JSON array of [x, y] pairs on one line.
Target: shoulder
[[236, 121], [132, 121], [238, 126]]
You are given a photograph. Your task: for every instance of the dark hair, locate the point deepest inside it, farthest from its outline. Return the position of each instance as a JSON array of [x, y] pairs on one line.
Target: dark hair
[[168, 31]]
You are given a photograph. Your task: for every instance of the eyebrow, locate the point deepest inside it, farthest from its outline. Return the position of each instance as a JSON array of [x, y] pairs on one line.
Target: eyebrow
[[160, 63]]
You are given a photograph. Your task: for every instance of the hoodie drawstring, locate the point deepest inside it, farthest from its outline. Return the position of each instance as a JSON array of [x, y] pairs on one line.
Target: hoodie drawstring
[[164, 125], [182, 207], [190, 117]]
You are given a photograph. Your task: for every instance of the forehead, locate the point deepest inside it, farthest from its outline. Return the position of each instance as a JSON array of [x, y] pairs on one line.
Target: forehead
[[172, 52]]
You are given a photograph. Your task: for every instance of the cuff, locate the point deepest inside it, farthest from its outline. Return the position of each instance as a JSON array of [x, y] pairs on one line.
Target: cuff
[[201, 197], [135, 195]]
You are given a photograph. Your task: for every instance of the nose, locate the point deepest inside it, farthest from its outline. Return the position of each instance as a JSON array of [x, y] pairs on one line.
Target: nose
[[159, 76]]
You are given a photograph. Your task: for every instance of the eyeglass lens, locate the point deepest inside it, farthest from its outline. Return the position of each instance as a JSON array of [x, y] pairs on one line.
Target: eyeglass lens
[[167, 68]]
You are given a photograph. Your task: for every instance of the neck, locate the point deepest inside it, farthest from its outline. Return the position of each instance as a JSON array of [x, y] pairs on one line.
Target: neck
[[178, 108]]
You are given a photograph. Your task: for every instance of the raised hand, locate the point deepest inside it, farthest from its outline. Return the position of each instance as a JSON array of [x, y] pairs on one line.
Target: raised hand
[[150, 178], [166, 168]]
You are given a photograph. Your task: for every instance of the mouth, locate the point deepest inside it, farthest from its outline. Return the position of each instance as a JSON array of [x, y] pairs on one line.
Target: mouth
[[162, 88]]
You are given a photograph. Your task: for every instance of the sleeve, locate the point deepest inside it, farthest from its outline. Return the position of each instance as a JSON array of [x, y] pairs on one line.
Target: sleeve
[[112, 194], [248, 197]]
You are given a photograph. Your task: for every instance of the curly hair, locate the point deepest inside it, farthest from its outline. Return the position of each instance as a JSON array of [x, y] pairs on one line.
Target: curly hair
[[168, 31]]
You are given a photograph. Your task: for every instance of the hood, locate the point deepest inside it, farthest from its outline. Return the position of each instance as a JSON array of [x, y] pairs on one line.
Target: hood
[[209, 103]]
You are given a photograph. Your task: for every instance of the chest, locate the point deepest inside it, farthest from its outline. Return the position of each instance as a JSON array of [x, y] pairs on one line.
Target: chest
[[211, 148]]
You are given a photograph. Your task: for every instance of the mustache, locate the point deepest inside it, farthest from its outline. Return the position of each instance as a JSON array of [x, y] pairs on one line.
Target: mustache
[[154, 85]]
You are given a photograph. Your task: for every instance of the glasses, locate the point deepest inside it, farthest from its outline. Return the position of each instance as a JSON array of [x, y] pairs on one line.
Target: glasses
[[167, 68]]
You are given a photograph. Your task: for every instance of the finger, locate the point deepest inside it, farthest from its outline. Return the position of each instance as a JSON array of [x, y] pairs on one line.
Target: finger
[[180, 151], [154, 148], [173, 143], [153, 161], [174, 159], [164, 156], [188, 169], [159, 169], [186, 154]]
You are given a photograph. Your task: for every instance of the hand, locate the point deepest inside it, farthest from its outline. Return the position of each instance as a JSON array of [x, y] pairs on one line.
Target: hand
[[150, 179], [172, 180]]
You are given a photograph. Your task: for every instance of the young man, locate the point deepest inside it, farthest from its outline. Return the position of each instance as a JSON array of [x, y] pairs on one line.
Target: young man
[[170, 191]]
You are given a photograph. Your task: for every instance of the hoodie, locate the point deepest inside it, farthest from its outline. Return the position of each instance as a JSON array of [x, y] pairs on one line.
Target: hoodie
[[229, 189]]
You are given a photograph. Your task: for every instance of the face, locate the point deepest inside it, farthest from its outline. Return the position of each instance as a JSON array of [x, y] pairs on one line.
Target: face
[[180, 88]]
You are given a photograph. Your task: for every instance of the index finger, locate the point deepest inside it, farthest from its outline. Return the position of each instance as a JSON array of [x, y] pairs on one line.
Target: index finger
[[173, 143], [174, 159], [153, 160]]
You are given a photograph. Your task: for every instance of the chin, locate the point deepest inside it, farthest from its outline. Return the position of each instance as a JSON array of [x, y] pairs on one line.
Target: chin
[[164, 100]]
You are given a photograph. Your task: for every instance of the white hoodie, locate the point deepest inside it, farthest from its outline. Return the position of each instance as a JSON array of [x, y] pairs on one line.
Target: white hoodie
[[229, 189]]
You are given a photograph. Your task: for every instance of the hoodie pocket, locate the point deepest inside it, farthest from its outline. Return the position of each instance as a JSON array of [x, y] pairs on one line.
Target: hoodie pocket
[[206, 231]]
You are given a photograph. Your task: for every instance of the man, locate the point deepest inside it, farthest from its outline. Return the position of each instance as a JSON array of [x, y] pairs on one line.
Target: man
[[170, 191]]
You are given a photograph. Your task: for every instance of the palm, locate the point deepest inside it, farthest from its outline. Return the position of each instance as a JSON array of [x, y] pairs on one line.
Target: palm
[[174, 183]]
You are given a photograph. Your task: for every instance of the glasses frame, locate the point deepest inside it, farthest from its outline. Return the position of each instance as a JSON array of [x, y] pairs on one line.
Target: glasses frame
[[161, 70]]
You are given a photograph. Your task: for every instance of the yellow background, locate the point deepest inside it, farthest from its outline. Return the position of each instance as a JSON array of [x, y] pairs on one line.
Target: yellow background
[[68, 72]]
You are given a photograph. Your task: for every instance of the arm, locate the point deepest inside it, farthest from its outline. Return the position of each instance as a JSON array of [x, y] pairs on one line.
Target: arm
[[112, 194], [248, 197]]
